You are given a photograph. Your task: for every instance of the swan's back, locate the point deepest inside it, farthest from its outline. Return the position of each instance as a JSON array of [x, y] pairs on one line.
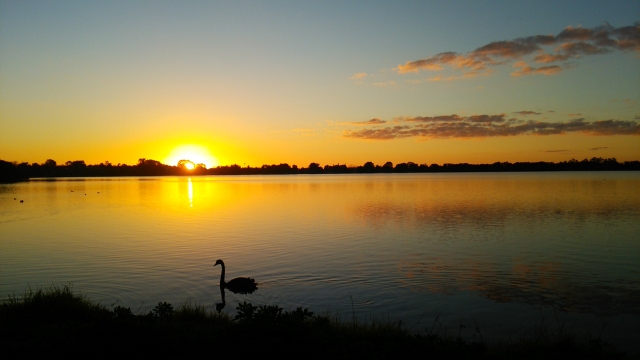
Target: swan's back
[[242, 285]]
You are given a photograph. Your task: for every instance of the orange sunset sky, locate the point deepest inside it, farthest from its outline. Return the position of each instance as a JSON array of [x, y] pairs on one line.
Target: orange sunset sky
[[264, 82]]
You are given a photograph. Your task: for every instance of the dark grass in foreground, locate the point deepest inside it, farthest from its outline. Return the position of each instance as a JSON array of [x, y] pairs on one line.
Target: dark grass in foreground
[[58, 322]]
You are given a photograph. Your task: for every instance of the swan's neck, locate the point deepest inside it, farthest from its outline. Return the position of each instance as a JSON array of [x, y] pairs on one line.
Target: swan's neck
[[222, 275]]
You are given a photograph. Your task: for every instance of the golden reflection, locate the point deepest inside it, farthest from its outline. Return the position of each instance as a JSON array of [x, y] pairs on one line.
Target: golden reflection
[[190, 193]]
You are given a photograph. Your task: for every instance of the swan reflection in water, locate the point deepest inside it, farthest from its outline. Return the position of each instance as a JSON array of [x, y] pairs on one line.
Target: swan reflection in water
[[239, 285]]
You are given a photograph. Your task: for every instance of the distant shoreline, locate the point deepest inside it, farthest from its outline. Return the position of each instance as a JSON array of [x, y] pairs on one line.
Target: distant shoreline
[[11, 172]]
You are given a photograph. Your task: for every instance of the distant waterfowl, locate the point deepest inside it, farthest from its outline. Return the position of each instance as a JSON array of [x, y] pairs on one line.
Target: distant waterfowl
[[240, 285], [21, 201]]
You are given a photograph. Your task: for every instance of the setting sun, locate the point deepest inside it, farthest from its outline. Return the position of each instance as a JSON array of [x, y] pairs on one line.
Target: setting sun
[[195, 153]]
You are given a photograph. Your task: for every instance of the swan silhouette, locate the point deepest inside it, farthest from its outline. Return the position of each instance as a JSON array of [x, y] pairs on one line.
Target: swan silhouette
[[240, 285]]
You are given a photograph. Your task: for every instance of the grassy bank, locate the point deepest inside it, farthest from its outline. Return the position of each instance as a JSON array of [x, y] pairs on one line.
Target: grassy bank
[[59, 322]]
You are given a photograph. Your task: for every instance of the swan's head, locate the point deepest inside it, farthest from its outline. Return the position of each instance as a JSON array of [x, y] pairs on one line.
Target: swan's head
[[219, 262]]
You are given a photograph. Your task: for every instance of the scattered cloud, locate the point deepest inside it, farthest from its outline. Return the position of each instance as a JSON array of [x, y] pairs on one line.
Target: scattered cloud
[[480, 126], [527, 112], [555, 151], [359, 76], [599, 148], [374, 121], [528, 70], [570, 43], [576, 114]]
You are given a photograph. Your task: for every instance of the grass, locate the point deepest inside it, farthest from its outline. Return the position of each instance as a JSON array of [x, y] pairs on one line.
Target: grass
[[59, 322]]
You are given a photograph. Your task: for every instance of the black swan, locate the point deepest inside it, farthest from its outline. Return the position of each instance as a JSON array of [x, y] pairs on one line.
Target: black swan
[[239, 285]]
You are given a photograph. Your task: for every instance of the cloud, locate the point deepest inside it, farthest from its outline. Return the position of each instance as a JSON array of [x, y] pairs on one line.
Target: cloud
[[433, 63], [570, 43], [576, 114], [528, 70], [555, 151], [526, 112], [374, 121], [480, 126], [359, 76], [599, 148], [452, 117], [546, 58]]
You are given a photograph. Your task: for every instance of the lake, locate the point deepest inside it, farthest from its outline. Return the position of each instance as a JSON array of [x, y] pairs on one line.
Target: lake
[[502, 252]]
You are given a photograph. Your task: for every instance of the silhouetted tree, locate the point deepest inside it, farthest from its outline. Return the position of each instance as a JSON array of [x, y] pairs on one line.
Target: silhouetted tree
[[182, 164], [401, 168], [368, 167], [314, 168]]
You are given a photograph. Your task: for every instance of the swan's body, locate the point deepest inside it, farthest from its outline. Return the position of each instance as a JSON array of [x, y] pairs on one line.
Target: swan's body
[[241, 285]]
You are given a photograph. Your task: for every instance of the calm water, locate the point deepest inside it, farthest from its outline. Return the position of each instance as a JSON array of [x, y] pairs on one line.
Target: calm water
[[507, 251]]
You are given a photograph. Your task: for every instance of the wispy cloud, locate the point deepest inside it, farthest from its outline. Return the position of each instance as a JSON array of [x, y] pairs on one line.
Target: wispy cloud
[[576, 114], [555, 151], [359, 76], [527, 112], [525, 69], [480, 126], [599, 148], [570, 43], [374, 121]]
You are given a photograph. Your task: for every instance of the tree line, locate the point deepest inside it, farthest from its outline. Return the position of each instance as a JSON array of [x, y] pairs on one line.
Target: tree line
[[14, 171]]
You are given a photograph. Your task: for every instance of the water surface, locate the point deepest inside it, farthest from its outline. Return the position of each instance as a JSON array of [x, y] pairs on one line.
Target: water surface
[[503, 251]]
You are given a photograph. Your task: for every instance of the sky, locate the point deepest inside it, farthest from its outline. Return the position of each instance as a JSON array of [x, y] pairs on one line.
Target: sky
[[333, 82]]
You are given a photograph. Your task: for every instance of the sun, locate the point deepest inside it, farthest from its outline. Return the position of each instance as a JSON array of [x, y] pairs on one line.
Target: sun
[[195, 153]]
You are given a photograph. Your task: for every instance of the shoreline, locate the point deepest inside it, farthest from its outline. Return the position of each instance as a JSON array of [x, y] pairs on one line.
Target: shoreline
[[46, 321]]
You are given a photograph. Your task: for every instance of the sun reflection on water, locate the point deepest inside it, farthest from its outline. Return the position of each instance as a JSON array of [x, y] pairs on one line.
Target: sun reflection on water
[[190, 193]]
